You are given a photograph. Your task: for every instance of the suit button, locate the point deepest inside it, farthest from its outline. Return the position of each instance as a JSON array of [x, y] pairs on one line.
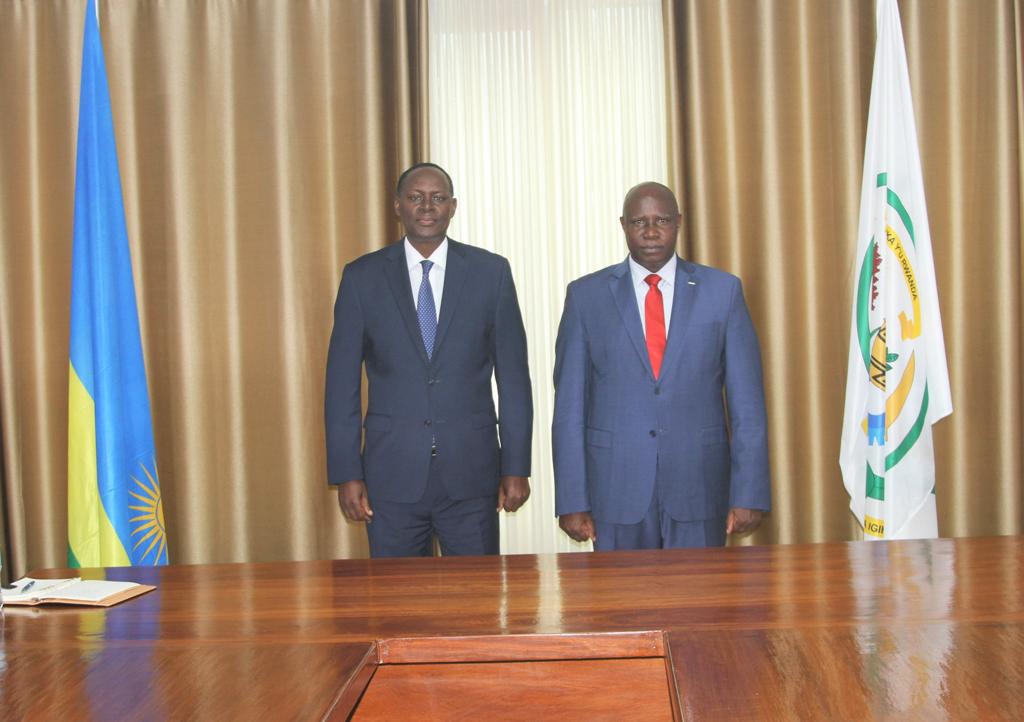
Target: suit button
[[427, 423], [654, 433], [657, 390]]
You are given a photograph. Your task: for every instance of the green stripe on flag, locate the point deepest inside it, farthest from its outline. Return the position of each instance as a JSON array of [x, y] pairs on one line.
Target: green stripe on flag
[[911, 438], [897, 204], [875, 488]]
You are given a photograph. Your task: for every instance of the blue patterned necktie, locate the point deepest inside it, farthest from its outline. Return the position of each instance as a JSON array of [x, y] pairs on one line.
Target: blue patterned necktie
[[426, 311]]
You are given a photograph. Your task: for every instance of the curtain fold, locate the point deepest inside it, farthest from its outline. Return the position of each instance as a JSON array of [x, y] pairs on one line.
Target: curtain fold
[[545, 114], [259, 143], [772, 112], [39, 79]]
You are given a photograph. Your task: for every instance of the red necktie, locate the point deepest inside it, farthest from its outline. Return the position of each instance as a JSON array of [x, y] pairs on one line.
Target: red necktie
[[654, 321]]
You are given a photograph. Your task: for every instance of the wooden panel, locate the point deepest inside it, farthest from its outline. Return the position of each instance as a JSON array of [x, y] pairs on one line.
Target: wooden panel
[[867, 672], [233, 682], [730, 588], [520, 647], [609, 689], [761, 629], [353, 687]]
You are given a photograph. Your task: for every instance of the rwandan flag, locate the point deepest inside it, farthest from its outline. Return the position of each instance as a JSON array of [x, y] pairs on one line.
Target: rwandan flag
[[115, 510]]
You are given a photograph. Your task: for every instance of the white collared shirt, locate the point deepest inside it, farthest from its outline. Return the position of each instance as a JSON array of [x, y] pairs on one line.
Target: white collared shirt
[[413, 259], [666, 285]]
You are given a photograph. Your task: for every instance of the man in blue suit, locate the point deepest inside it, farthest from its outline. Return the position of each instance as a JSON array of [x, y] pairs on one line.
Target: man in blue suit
[[648, 450], [431, 320]]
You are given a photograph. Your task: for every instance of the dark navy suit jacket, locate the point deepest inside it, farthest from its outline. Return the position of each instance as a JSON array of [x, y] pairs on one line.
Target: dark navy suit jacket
[[413, 402], [617, 432]]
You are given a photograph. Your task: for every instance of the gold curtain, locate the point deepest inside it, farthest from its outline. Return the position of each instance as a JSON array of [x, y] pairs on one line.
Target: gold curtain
[[258, 143], [769, 111]]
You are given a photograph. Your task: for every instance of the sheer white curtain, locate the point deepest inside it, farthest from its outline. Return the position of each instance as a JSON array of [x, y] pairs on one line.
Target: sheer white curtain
[[545, 113]]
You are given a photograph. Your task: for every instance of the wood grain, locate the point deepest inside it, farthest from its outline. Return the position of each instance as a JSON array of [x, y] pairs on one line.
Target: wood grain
[[521, 647], [908, 672], [152, 682], [892, 630], [606, 689]]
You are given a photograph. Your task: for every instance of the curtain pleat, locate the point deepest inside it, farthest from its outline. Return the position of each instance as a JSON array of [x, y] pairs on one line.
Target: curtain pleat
[[772, 111], [546, 113], [258, 143], [39, 79]]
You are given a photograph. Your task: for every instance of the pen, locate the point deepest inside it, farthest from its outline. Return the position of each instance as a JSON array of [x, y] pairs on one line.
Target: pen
[[27, 587]]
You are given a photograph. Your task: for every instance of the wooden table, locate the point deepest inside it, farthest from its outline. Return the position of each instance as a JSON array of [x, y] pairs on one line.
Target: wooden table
[[858, 631]]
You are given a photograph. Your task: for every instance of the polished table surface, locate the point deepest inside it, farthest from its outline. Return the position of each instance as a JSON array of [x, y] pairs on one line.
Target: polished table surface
[[846, 631]]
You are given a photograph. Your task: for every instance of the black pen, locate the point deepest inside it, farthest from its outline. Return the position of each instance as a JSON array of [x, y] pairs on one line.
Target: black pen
[[26, 587]]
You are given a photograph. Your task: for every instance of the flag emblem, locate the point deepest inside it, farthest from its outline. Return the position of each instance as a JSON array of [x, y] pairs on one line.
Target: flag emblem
[[897, 402], [897, 385], [148, 524]]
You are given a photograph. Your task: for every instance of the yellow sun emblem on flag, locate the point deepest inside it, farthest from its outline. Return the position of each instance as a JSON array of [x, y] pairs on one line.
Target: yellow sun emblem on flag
[[149, 523]]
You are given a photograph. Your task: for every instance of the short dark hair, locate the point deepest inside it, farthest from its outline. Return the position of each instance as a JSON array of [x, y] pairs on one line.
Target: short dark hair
[[435, 166]]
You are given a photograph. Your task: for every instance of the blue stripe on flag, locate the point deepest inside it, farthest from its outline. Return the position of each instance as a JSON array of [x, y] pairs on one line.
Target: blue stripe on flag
[[106, 349]]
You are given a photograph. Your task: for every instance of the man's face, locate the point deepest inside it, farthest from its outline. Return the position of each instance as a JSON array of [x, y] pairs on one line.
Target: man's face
[[651, 221], [425, 206]]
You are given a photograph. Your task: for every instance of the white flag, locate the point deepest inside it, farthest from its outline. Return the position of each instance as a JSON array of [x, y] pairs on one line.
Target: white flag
[[897, 385]]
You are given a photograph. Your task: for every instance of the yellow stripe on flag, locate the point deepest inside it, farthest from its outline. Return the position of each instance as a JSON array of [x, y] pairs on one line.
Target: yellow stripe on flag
[[91, 536]]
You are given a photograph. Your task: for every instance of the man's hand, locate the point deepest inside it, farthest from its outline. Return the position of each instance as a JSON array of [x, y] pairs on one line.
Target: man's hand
[[741, 521], [578, 525], [354, 503], [513, 492]]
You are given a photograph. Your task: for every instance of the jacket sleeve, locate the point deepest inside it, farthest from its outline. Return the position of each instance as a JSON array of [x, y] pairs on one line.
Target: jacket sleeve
[[744, 392], [342, 390], [512, 374], [568, 422]]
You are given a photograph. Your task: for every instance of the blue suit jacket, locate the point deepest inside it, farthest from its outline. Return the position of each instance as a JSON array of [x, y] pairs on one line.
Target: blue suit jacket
[[413, 401], [617, 432]]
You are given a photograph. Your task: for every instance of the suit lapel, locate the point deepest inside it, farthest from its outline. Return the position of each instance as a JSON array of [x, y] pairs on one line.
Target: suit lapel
[[455, 276], [398, 278], [621, 285], [684, 298]]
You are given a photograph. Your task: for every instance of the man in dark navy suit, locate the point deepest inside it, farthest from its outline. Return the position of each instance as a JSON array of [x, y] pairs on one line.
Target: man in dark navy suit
[[432, 320], [646, 452]]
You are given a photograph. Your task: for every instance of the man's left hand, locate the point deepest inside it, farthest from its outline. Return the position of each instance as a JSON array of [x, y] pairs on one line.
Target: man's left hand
[[513, 492], [743, 520]]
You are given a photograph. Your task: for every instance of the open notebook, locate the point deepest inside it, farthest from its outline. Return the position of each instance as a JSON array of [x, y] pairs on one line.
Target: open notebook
[[88, 592]]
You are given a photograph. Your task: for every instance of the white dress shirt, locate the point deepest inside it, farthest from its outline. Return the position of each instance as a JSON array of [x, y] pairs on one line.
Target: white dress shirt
[[666, 285], [413, 259]]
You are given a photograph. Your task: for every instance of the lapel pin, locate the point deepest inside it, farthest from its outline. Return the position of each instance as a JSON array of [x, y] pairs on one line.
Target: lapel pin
[[692, 283]]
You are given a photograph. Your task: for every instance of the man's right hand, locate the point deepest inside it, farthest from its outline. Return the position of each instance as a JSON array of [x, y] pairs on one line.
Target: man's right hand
[[578, 525], [354, 503]]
